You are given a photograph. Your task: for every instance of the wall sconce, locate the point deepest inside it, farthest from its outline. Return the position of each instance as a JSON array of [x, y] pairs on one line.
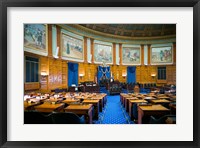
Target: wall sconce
[[44, 74], [124, 75], [153, 75], [81, 75]]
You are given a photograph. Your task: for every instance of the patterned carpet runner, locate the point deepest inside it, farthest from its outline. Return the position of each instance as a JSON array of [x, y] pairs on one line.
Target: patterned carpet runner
[[114, 113]]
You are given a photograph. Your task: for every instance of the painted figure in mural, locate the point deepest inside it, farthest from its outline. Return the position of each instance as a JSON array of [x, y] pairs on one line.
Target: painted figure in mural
[[68, 50], [35, 36], [167, 54], [161, 55], [129, 54], [101, 53], [39, 37], [27, 30], [134, 57]]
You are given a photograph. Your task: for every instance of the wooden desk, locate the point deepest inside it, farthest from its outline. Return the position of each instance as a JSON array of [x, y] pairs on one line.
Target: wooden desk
[[163, 97], [96, 96], [101, 101], [127, 102], [85, 110], [151, 95], [58, 100], [140, 96], [104, 96], [49, 107], [149, 99], [122, 97], [100, 95], [69, 101], [30, 106], [95, 103], [172, 98], [159, 101], [124, 100], [131, 103], [80, 97], [150, 110]]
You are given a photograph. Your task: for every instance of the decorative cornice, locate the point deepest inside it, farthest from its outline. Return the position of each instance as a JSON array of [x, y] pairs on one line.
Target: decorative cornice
[[83, 31]]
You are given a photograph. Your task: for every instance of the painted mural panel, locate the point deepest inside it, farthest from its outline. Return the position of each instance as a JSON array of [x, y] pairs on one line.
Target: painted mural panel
[[131, 56], [72, 48], [161, 55], [103, 53], [35, 38]]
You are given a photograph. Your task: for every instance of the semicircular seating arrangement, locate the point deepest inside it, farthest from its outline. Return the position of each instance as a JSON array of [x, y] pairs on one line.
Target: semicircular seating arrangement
[[99, 73]]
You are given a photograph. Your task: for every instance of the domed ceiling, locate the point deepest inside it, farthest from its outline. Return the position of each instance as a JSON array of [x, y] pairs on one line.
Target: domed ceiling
[[134, 30]]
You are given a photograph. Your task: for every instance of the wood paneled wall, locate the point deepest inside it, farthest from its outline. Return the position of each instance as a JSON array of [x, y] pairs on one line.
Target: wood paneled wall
[[143, 74], [57, 69], [57, 73], [44, 67], [89, 72]]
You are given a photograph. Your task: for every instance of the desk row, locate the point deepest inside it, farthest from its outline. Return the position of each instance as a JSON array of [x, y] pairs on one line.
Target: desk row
[[90, 108], [141, 109]]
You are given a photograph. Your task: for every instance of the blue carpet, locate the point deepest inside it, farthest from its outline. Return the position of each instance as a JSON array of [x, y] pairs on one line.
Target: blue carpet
[[114, 113], [101, 115]]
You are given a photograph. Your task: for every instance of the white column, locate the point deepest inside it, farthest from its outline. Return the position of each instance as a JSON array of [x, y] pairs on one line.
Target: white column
[[145, 55], [89, 56], [54, 41], [117, 54]]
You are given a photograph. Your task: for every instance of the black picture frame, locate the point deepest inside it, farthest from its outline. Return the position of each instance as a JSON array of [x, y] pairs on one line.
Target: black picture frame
[[4, 4]]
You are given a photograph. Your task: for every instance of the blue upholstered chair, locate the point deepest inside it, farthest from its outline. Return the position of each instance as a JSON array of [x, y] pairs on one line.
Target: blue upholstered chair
[[57, 90]]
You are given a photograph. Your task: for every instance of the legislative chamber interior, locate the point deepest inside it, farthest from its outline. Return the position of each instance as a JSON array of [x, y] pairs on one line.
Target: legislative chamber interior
[[99, 74]]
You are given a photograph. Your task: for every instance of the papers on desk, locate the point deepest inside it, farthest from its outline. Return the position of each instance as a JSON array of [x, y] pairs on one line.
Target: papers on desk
[[149, 98], [33, 101], [26, 97]]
